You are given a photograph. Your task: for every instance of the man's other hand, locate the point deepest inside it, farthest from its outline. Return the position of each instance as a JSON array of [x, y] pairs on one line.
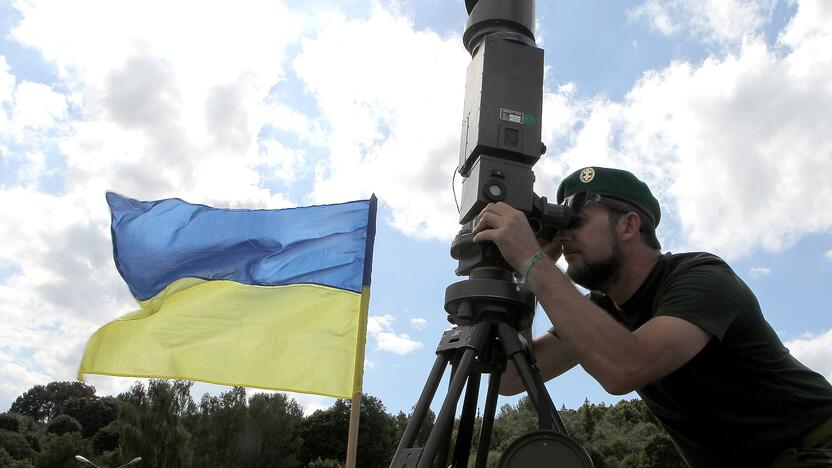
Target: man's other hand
[[509, 229]]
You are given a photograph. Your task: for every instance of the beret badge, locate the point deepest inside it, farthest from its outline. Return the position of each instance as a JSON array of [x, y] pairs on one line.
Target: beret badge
[[587, 174]]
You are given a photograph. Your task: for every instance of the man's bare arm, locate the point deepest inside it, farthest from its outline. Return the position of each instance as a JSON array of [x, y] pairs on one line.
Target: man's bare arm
[[551, 357], [620, 360]]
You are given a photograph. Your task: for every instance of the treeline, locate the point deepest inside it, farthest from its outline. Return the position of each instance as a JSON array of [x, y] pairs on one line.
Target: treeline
[[48, 425]]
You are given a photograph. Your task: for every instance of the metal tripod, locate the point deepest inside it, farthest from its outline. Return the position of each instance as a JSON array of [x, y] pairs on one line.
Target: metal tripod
[[488, 309], [471, 350]]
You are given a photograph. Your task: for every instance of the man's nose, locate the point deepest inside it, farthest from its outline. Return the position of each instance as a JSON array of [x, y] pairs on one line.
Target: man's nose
[[563, 235]]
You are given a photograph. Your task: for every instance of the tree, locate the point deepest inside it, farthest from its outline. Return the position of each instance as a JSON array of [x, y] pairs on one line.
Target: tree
[[43, 403], [63, 394], [63, 424], [92, 413], [659, 452], [15, 445], [400, 424], [324, 433], [106, 439], [218, 426], [376, 432], [6, 461], [328, 463], [9, 422], [150, 425], [512, 422], [271, 427], [59, 451], [35, 403]]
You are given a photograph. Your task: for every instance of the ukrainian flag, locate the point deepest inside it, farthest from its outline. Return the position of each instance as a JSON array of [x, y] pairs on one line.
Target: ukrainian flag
[[272, 299]]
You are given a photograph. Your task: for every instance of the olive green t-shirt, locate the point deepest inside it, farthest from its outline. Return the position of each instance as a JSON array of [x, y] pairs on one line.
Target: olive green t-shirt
[[742, 399]]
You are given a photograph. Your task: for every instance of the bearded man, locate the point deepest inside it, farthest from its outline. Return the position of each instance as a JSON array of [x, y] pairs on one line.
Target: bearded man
[[682, 330]]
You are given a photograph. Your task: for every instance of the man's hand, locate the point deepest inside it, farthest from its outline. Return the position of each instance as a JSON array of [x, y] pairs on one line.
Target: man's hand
[[509, 229]]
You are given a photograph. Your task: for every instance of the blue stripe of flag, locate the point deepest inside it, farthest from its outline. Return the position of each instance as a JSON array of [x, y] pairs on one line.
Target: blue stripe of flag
[[157, 242]]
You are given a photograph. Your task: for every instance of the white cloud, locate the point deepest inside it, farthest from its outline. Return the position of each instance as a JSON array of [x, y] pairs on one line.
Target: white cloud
[[7, 81], [378, 323], [184, 106], [309, 403], [718, 21], [165, 106], [828, 255], [17, 376], [758, 272], [396, 132], [36, 106], [418, 323], [380, 328], [729, 146], [815, 352]]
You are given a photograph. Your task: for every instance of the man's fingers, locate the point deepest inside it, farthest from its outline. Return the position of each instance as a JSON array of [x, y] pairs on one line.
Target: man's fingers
[[483, 236], [485, 220]]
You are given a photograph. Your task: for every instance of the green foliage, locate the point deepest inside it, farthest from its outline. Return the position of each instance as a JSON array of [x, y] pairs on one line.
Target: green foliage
[[106, 439], [400, 422], [35, 403], [92, 413], [150, 423], [219, 428], [44, 403], [659, 452], [161, 423], [9, 422], [618, 436], [324, 463], [324, 433], [375, 434], [59, 451], [513, 421], [63, 424], [5, 458], [15, 445], [271, 426]]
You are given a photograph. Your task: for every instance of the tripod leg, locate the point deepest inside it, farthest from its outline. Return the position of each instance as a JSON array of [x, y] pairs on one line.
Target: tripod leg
[[445, 420], [421, 409], [545, 400], [466, 421], [549, 418], [444, 448], [488, 418]]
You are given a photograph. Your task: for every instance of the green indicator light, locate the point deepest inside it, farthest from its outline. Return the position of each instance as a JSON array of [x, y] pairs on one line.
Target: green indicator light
[[529, 119]]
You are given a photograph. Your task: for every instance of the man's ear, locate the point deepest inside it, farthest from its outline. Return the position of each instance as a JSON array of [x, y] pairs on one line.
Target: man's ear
[[629, 226]]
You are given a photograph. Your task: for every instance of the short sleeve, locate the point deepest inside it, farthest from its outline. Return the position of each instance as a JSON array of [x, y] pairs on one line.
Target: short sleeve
[[709, 296]]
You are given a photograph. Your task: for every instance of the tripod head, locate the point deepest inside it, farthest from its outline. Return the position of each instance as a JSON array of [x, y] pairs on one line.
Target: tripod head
[[501, 141]]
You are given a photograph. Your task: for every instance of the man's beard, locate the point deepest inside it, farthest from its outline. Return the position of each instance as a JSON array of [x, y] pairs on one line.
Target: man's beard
[[599, 275]]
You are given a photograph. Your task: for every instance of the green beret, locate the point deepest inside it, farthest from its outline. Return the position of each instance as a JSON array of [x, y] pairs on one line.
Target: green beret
[[615, 183]]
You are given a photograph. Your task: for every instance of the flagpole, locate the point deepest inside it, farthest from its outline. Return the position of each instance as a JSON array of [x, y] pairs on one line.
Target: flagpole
[[352, 437], [358, 377]]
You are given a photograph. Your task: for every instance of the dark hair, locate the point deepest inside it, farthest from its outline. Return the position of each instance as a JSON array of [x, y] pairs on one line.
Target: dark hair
[[647, 231]]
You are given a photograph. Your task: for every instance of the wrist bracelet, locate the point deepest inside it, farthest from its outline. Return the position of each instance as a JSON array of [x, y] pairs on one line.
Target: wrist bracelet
[[524, 276]]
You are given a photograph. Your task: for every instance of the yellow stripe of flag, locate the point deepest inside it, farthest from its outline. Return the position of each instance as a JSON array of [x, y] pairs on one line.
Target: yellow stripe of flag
[[301, 338]]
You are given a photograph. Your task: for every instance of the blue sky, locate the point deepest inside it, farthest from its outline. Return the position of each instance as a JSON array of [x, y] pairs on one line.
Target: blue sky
[[722, 106]]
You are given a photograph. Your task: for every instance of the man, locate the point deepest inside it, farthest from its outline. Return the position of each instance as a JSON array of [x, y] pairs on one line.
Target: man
[[682, 330]]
